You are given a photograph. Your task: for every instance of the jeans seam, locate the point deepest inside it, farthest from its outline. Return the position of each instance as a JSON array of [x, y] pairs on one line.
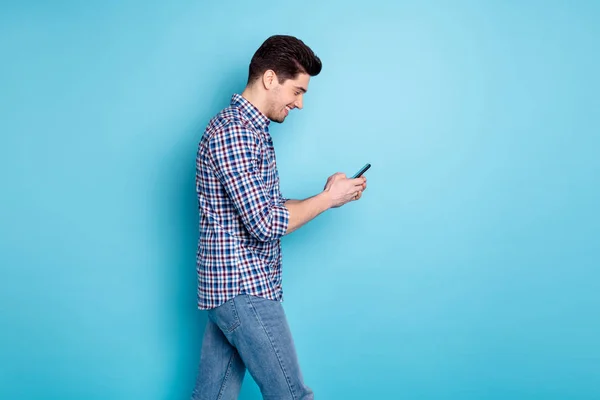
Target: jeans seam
[[237, 321], [226, 377], [287, 379]]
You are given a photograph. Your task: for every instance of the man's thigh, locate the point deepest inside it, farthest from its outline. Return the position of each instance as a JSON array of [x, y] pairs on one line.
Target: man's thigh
[[262, 336]]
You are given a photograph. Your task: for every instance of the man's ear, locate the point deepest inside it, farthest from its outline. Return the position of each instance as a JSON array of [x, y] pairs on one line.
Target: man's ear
[[269, 79]]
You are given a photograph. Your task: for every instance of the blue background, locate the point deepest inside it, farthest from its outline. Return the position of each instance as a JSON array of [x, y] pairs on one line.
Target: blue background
[[469, 270]]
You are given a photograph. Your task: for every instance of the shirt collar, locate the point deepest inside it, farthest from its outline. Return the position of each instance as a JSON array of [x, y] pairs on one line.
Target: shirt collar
[[249, 110]]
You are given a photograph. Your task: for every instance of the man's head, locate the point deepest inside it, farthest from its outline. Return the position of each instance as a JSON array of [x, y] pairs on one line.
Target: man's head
[[279, 74]]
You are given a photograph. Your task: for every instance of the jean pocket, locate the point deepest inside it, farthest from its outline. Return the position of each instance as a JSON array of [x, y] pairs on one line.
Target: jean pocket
[[225, 316]]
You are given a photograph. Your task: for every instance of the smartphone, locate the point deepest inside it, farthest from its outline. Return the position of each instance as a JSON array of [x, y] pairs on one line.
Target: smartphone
[[362, 171]]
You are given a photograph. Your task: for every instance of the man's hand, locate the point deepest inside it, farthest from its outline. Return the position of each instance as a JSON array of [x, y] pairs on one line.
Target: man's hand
[[338, 191], [342, 190]]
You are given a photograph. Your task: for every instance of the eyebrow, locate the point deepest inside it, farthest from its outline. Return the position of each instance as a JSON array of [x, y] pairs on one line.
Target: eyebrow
[[301, 88]]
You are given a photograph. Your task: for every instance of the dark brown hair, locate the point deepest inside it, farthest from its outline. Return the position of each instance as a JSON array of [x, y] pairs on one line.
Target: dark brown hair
[[287, 56]]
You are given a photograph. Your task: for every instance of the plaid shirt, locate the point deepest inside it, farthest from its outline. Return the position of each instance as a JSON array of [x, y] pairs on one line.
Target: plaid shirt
[[242, 212]]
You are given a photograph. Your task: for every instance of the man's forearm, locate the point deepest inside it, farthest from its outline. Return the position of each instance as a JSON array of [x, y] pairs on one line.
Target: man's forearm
[[302, 211]]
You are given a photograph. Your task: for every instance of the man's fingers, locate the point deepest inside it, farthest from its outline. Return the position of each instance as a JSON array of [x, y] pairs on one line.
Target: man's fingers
[[359, 181]]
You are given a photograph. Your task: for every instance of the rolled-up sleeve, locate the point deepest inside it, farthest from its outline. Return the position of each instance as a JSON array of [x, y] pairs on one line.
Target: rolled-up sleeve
[[235, 153], [280, 197]]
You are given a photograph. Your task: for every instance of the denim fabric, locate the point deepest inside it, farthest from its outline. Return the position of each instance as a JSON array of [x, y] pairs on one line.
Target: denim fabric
[[249, 332]]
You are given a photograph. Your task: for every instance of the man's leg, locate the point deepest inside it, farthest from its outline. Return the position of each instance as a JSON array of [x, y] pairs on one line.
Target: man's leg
[[263, 340], [221, 370]]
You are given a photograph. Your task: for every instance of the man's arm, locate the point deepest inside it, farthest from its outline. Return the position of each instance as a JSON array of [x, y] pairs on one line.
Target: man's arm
[[302, 211], [234, 153], [338, 191]]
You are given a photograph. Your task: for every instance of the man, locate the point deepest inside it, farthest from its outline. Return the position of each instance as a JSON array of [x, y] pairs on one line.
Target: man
[[242, 219]]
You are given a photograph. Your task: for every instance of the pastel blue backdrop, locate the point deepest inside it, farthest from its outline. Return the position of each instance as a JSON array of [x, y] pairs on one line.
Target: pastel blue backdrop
[[469, 270]]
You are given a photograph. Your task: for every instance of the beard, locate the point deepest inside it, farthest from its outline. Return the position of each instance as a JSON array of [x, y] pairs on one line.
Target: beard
[[277, 114]]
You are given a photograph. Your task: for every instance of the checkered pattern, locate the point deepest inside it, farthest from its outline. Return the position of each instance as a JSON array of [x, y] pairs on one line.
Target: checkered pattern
[[242, 212]]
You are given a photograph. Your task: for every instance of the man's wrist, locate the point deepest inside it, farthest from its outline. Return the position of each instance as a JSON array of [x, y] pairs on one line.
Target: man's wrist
[[325, 200]]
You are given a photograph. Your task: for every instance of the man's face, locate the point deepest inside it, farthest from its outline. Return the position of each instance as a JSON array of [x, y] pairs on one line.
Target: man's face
[[287, 96]]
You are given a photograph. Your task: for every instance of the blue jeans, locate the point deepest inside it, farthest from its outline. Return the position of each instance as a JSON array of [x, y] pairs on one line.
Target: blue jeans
[[249, 332]]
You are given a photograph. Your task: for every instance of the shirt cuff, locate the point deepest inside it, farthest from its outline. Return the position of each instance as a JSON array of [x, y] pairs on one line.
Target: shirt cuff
[[281, 220]]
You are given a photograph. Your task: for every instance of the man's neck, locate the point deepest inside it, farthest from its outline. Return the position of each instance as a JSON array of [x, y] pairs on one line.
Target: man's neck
[[255, 98]]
